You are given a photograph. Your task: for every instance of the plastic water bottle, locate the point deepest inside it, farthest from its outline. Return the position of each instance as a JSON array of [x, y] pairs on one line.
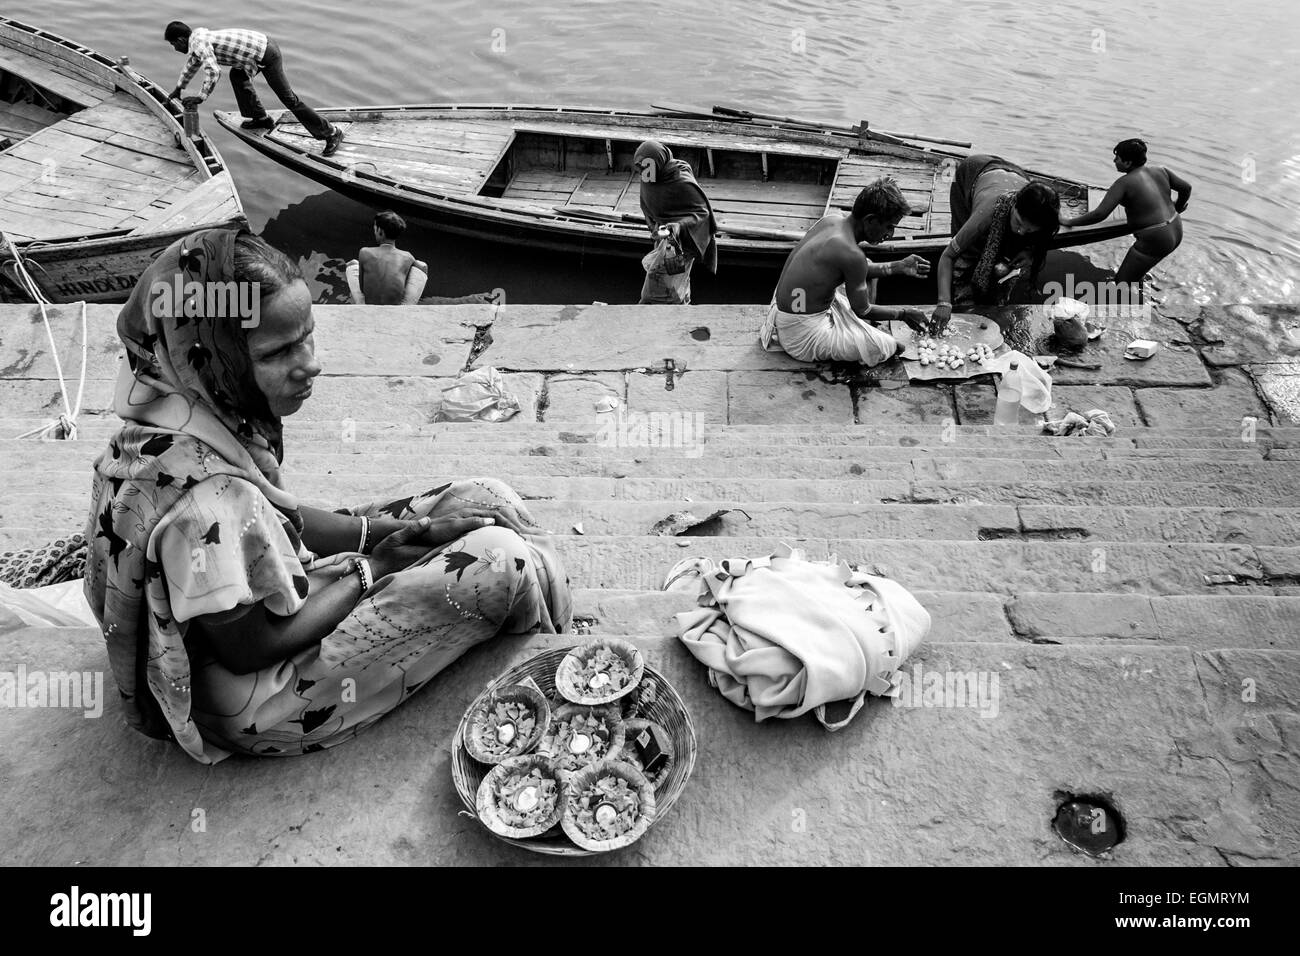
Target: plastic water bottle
[[1007, 411], [191, 122]]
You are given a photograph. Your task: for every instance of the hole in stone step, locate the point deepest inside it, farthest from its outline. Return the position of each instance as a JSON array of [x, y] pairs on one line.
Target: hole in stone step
[[1089, 823], [702, 334]]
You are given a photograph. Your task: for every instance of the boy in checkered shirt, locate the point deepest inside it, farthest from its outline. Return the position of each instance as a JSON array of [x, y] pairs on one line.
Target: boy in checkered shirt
[[245, 53]]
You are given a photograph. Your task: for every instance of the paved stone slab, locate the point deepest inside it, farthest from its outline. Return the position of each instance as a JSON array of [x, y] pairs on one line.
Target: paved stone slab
[[1249, 697], [1054, 618], [696, 396], [1170, 366], [1232, 398], [789, 397], [1241, 334], [955, 616], [621, 337], [1239, 620], [94, 792], [572, 397], [1144, 494], [1281, 387], [976, 401], [928, 404], [1275, 526], [40, 399], [995, 567], [350, 340], [1113, 469]]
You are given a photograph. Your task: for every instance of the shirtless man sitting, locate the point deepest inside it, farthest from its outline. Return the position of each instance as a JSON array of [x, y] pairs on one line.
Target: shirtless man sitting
[[1144, 194], [384, 274], [823, 308]]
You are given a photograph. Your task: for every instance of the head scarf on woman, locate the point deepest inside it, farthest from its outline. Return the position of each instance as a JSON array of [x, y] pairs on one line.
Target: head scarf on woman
[[669, 193], [192, 410]]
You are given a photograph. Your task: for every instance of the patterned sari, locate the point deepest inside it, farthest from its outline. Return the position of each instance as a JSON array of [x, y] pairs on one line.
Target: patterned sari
[[189, 518]]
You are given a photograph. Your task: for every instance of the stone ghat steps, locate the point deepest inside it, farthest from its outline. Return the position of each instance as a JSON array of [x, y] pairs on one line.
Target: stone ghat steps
[[1278, 526], [1182, 465], [1191, 620], [590, 432], [1163, 730]]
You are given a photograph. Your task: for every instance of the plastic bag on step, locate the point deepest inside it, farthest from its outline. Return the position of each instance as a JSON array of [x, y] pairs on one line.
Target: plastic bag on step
[[478, 396], [55, 605]]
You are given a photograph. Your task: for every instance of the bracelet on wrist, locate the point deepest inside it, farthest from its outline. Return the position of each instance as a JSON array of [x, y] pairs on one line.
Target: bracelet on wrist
[[363, 570], [365, 535]]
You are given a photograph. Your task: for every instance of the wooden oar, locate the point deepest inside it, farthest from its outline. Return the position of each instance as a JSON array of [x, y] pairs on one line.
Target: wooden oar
[[752, 232], [849, 130]]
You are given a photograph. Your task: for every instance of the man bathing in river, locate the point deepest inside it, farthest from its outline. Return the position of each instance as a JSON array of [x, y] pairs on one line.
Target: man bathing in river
[[1154, 216], [383, 274], [245, 53], [824, 306]]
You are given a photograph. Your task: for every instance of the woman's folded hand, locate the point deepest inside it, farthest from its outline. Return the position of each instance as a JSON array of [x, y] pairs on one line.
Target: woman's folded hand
[[403, 547]]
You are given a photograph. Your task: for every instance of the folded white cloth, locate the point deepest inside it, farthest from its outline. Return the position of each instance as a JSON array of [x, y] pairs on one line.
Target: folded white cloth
[[782, 635]]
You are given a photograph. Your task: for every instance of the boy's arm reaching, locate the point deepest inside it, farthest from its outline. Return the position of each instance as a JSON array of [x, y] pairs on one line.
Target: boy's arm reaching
[[1181, 186], [415, 280], [1104, 208], [353, 274]]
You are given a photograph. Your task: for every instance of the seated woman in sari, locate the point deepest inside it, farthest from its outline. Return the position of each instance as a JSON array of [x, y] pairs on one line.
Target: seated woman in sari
[[1001, 221], [237, 619], [671, 199]]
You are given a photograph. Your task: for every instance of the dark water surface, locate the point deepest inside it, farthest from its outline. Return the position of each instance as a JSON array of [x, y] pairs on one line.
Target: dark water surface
[[1211, 86]]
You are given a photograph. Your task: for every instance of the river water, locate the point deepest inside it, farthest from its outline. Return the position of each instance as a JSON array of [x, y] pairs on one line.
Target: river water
[[1210, 86]]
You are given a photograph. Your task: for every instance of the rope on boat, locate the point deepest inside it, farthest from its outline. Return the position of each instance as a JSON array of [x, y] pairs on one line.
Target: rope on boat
[[65, 426]]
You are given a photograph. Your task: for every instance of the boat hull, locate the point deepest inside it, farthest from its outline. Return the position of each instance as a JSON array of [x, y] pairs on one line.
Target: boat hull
[[477, 201]]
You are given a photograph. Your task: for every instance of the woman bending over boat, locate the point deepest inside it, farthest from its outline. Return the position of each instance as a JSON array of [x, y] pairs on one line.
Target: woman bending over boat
[[671, 199], [1001, 221], [238, 619]]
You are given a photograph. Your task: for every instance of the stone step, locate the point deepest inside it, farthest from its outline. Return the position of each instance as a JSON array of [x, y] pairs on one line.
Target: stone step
[[999, 567], [730, 449], [54, 456], [586, 432], [1204, 622], [1265, 526], [851, 798]]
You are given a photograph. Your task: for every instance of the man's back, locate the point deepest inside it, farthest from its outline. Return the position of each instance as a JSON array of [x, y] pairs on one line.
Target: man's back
[[383, 274], [814, 267], [1146, 196]]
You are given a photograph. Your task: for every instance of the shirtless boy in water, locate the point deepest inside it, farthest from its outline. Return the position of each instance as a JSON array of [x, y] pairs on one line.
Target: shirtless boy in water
[[1145, 195], [384, 274], [824, 304]]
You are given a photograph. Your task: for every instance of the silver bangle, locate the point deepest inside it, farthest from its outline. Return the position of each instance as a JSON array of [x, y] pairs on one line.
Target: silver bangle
[[365, 534]]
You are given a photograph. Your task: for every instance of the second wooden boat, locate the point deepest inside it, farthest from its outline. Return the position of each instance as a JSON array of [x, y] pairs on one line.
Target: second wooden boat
[[562, 178], [97, 175]]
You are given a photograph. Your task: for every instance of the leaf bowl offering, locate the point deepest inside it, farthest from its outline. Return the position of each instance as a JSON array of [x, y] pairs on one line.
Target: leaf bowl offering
[[639, 735], [579, 736], [506, 722], [522, 797], [599, 672], [610, 805], [664, 707]]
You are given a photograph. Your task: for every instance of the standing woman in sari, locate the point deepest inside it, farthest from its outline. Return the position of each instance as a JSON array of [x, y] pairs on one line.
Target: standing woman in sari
[[1002, 220], [671, 199], [238, 619]]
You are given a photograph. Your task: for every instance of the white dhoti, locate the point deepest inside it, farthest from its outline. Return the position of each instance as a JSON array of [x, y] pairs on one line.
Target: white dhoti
[[835, 334]]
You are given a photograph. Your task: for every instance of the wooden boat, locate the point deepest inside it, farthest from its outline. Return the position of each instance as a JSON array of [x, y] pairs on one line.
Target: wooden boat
[[96, 174], [562, 178]]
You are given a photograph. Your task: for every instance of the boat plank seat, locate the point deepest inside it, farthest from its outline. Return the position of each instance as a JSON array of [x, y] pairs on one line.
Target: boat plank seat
[[92, 175], [47, 75], [20, 120], [431, 167], [188, 204], [679, 138]]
